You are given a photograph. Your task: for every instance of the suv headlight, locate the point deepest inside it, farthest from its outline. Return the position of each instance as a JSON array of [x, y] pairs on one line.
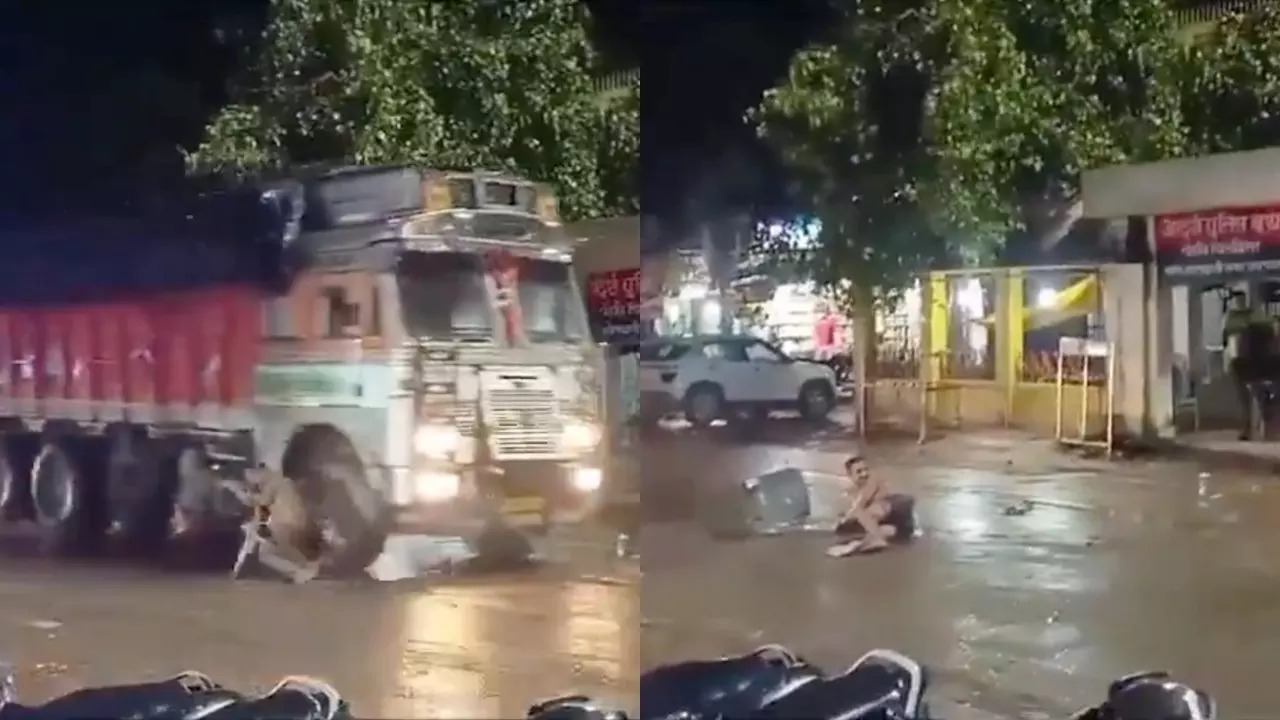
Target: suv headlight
[[578, 435], [438, 442]]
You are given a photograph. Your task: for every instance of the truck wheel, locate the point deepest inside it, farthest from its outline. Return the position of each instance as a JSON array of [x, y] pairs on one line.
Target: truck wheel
[[816, 400], [704, 404], [16, 456], [139, 496], [500, 547], [353, 516], [65, 499], [12, 495]]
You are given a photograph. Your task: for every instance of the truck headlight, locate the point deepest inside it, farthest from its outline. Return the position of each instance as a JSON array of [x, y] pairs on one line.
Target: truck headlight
[[580, 435], [587, 479], [437, 486], [437, 442]]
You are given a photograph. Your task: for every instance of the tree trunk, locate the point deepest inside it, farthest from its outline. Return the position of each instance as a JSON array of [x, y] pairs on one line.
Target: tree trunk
[[864, 354], [1059, 225]]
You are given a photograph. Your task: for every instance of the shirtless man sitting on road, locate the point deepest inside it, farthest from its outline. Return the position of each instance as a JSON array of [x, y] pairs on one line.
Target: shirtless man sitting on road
[[869, 508]]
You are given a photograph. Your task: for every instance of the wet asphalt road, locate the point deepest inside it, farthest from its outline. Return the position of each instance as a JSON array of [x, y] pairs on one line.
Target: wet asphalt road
[[1039, 577], [464, 647], [1098, 570]]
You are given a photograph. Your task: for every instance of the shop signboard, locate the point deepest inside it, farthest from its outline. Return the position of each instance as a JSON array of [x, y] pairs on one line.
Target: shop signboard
[[613, 305], [1211, 243]]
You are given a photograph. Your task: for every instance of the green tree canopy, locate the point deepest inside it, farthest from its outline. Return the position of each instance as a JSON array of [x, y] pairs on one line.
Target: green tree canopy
[[1231, 84], [493, 85], [929, 130]]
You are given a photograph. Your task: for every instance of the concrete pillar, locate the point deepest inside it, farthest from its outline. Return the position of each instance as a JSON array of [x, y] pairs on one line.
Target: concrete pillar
[[1159, 304], [1180, 296], [1124, 311], [1197, 360]]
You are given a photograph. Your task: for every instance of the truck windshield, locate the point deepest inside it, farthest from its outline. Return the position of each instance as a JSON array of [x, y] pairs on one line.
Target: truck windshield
[[552, 310], [443, 295]]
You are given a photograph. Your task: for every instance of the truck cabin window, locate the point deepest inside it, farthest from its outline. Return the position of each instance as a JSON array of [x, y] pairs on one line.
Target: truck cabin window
[[343, 316], [552, 310], [443, 295]]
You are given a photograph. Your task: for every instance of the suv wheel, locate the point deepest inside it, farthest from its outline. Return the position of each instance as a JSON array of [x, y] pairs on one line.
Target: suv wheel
[[704, 404], [816, 400]]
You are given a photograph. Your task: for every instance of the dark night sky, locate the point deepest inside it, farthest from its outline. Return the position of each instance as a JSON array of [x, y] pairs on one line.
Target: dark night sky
[[64, 65], [703, 63]]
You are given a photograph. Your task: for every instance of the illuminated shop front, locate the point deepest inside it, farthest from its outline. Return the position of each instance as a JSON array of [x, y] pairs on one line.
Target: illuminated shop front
[[691, 306], [797, 317]]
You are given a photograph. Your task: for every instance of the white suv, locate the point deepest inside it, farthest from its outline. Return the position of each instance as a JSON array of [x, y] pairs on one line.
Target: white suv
[[713, 377]]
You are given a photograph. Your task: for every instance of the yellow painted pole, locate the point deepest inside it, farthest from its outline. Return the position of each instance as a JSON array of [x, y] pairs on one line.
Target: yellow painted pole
[[1015, 296], [939, 326], [939, 341]]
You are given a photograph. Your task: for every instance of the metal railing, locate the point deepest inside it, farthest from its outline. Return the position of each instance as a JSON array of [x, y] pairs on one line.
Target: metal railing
[[1195, 23], [1215, 11], [616, 85]]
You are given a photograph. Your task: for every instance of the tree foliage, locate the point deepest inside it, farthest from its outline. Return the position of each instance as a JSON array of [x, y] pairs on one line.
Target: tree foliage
[[1231, 84], [492, 85], [926, 131], [847, 124]]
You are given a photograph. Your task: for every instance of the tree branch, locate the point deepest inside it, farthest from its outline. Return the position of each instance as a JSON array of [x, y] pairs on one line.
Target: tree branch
[[1061, 224]]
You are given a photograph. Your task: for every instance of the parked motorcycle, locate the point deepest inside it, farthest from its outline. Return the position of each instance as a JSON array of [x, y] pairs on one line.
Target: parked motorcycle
[[771, 683], [187, 696], [573, 707], [1152, 696], [729, 687], [775, 684]]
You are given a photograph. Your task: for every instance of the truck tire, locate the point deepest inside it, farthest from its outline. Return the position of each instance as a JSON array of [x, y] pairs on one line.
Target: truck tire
[[354, 516], [500, 547], [12, 493], [66, 498], [138, 497], [16, 456]]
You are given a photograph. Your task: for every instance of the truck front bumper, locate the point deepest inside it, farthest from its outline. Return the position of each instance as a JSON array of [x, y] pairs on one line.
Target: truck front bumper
[[528, 495]]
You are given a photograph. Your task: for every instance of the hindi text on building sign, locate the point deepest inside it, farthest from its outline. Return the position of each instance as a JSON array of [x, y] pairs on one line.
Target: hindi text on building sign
[[1261, 224], [1218, 242], [615, 287]]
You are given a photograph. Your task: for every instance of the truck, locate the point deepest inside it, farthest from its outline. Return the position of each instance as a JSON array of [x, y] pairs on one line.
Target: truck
[[408, 349]]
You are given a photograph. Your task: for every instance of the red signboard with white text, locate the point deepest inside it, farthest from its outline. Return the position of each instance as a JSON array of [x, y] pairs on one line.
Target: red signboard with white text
[[1219, 242], [613, 305]]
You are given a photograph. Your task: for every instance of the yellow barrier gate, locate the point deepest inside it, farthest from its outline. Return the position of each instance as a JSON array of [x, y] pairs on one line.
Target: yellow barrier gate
[[1086, 352]]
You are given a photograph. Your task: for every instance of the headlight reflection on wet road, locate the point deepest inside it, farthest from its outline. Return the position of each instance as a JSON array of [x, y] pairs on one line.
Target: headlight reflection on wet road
[[597, 621], [444, 659], [489, 651]]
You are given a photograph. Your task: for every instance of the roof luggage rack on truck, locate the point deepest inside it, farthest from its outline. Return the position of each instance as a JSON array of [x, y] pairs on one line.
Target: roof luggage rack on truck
[[366, 216]]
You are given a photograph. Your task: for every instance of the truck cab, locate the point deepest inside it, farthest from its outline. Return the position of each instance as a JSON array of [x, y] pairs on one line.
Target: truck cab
[[450, 346]]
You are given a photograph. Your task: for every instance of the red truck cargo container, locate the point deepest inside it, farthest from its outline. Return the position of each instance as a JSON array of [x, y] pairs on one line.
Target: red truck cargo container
[[174, 358]]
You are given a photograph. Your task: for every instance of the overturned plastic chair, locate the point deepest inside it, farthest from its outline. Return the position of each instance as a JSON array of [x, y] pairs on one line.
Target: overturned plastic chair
[[785, 500]]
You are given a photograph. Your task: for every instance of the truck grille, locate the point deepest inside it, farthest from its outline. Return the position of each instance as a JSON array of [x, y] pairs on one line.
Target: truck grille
[[522, 422]]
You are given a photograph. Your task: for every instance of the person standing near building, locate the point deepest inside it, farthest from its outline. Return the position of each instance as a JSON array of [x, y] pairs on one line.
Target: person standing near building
[[1240, 357]]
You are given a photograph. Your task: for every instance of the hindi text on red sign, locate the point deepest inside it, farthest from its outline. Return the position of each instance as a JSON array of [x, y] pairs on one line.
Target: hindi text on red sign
[[613, 302], [1217, 241]]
